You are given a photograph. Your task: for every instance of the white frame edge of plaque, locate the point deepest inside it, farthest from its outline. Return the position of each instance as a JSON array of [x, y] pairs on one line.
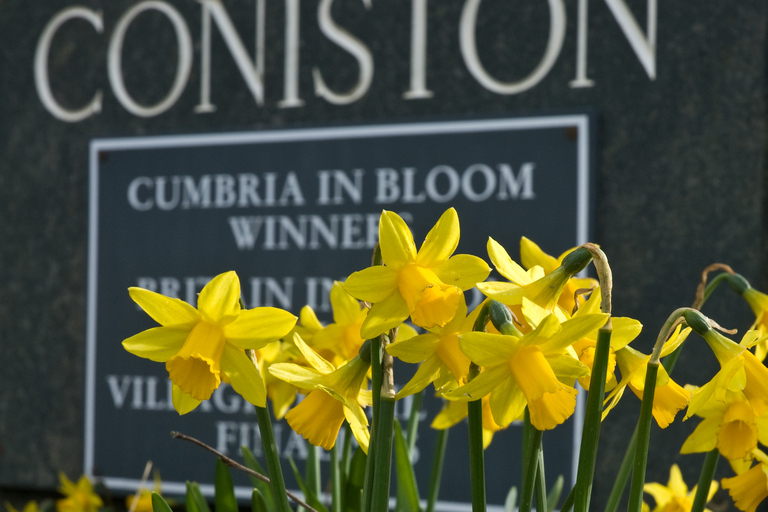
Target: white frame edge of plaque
[[580, 121]]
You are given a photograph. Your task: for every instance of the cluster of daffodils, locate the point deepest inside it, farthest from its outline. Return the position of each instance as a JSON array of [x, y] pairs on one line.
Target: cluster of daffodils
[[519, 355]]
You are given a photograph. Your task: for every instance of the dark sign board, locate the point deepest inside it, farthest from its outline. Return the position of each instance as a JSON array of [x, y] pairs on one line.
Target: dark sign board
[[291, 211]]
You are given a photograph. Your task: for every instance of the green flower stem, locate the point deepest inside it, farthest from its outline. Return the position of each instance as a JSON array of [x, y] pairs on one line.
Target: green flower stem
[[643, 438], [475, 429], [476, 456], [531, 450], [413, 421], [437, 469], [376, 377], [336, 481], [384, 425], [590, 434], [273, 460], [623, 475], [705, 480], [313, 470]]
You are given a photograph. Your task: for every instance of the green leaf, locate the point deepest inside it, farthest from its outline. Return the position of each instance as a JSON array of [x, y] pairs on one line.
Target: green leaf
[[310, 496], [554, 493], [224, 490], [263, 487], [258, 503], [510, 504], [159, 504], [407, 491], [355, 481], [200, 503]]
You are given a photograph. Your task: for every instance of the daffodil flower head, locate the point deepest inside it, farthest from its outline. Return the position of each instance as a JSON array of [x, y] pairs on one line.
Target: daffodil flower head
[[343, 335], [201, 347], [78, 497], [531, 255], [730, 425], [427, 285], [438, 352], [623, 332], [674, 497], [527, 370], [669, 397], [544, 291], [740, 370], [336, 395], [749, 488], [758, 301]]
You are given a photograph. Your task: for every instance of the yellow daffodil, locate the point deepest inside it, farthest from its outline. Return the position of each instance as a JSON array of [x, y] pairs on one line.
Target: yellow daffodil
[[669, 397], [142, 500], [200, 347], [78, 497], [336, 395], [531, 255], [31, 506], [674, 497], [750, 488], [455, 411], [740, 371], [437, 351], [427, 285], [730, 426], [758, 301], [543, 289], [624, 331], [520, 371]]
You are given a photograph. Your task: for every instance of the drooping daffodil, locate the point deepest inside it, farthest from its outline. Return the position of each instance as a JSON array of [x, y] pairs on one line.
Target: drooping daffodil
[[78, 497], [427, 285], [336, 394], [750, 487], [201, 347]]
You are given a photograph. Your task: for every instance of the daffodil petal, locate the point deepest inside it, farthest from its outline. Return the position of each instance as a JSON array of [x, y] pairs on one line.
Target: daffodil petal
[[703, 438], [300, 376], [660, 493], [452, 413], [358, 423], [487, 349], [164, 310], [243, 376], [314, 360], [219, 301], [345, 308], [532, 255], [384, 315], [504, 264], [573, 330], [507, 402], [463, 271], [427, 373], [372, 284], [182, 402], [396, 241], [567, 367], [481, 385], [254, 328], [624, 330], [414, 350], [157, 344], [282, 395], [441, 241], [308, 319]]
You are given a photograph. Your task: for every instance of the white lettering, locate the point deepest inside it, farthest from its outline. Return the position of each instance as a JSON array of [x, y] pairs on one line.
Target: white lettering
[[42, 83], [468, 44], [115, 56], [351, 44], [418, 88]]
